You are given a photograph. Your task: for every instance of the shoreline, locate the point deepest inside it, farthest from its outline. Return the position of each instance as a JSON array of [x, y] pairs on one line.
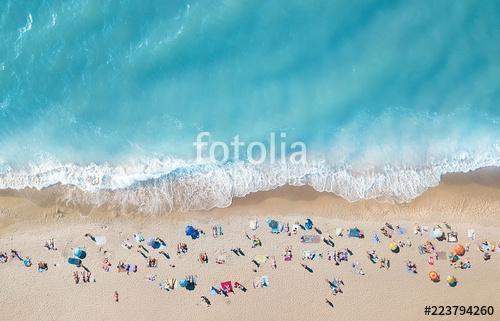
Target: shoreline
[[465, 197], [27, 221]]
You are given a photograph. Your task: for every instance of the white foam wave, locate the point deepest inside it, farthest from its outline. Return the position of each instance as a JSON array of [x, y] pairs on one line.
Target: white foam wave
[[159, 185], [27, 27]]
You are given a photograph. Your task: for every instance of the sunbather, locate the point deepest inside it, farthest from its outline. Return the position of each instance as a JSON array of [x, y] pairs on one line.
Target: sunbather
[[42, 266]]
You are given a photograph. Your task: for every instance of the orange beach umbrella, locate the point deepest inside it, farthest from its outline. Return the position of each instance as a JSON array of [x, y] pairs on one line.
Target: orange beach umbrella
[[459, 249], [434, 276]]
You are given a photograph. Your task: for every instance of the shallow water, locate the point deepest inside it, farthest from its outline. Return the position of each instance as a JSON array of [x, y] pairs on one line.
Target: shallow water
[[386, 95]]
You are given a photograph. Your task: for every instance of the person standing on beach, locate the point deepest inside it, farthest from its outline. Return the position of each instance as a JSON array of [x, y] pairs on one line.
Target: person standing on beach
[[116, 296]]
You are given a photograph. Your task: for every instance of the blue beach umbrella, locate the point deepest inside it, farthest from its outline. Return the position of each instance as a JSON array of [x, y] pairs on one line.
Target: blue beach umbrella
[[80, 253], [153, 243], [273, 224], [192, 232], [183, 283], [74, 261]]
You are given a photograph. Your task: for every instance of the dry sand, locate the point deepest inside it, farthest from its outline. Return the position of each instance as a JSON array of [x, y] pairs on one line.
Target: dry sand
[[28, 219]]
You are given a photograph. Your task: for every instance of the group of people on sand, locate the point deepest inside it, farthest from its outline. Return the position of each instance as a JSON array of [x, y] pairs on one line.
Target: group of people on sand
[[152, 262], [337, 256], [4, 258], [50, 245], [83, 276], [203, 257], [122, 267], [182, 248]]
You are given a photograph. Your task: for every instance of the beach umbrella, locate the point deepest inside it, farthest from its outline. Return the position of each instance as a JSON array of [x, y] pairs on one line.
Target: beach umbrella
[[192, 232], [273, 224], [452, 281], [393, 247], [434, 276], [459, 249], [261, 259], [437, 233], [453, 257], [79, 253], [151, 241], [74, 261], [183, 283]]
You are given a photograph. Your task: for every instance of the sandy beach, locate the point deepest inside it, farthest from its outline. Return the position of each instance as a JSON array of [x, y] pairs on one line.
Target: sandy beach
[[463, 202]]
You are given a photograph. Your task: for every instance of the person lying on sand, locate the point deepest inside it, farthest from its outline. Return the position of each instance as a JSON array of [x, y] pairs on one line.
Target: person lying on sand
[[4, 258], [203, 257], [42, 266], [106, 264], [411, 267], [15, 253], [240, 286]]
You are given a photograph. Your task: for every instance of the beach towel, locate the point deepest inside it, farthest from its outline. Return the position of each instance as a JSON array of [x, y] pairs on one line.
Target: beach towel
[[355, 232], [226, 286], [139, 237], [214, 291], [261, 259], [264, 281], [310, 239], [308, 224], [338, 231], [310, 255], [375, 239], [452, 237], [402, 231], [471, 234], [100, 240], [441, 255], [253, 224]]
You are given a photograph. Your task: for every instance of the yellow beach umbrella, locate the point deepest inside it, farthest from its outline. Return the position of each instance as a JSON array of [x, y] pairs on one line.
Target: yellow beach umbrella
[[452, 281], [393, 246], [261, 259]]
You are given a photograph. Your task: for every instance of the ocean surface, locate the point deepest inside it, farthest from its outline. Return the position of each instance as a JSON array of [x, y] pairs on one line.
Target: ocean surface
[[108, 97]]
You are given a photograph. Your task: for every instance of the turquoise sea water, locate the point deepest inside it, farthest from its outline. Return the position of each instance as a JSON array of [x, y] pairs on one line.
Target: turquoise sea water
[[110, 95]]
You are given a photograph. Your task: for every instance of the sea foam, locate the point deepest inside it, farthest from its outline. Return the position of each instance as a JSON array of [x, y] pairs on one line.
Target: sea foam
[[165, 185]]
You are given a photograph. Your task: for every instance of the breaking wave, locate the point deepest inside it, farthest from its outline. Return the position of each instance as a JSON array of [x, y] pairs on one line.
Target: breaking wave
[[165, 185]]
